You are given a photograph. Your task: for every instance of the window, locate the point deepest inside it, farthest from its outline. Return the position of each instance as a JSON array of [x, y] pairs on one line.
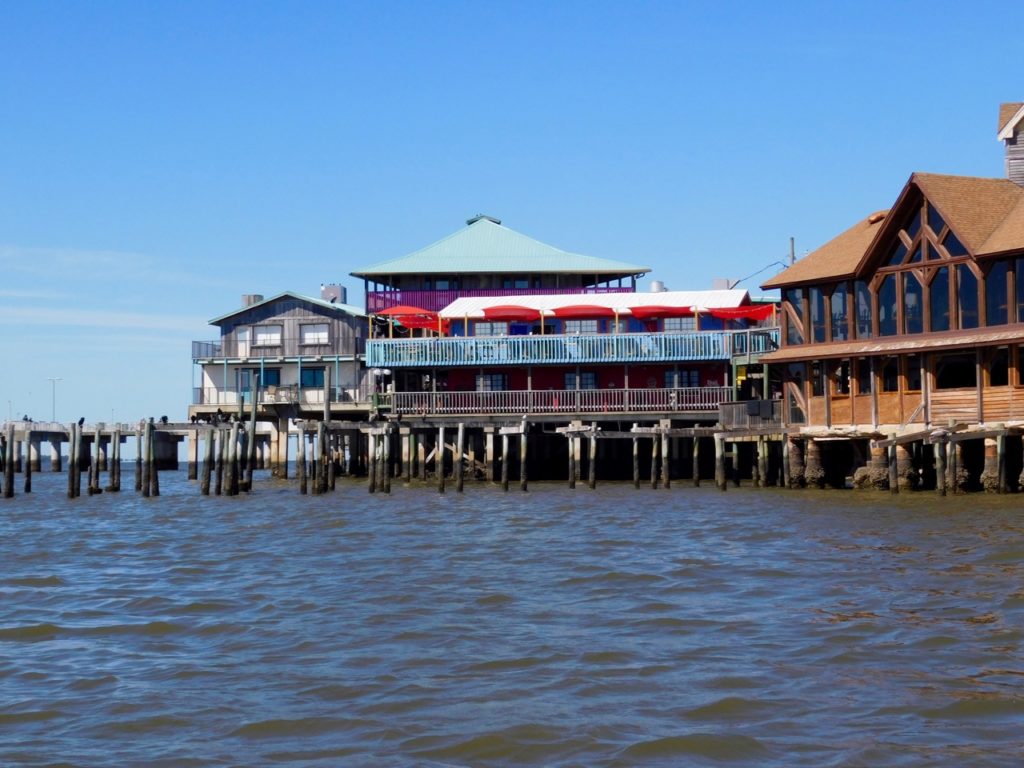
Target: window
[[817, 315], [266, 336], [817, 383], [585, 380], [444, 284], [887, 306], [249, 377], [515, 282], [913, 304], [491, 382], [891, 375], [313, 333], [999, 367], [680, 324], [841, 377], [840, 324], [939, 315], [967, 296], [684, 377], [794, 300], [953, 246], [490, 329], [995, 295], [581, 326], [863, 376], [935, 221], [269, 377], [312, 378], [955, 371], [862, 295], [913, 372]]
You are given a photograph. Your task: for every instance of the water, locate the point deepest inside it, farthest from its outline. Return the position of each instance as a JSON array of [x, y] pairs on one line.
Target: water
[[563, 628]]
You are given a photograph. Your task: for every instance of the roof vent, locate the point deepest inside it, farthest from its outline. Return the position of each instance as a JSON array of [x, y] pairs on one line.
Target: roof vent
[[334, 293], [657, 286], [479, 216], [248, 299]]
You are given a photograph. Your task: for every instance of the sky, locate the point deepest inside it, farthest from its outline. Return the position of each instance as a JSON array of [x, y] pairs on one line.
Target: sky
[[159, 160]]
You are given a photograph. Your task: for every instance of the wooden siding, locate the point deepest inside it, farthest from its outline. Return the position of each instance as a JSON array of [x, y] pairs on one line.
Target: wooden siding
[[1015, 160], [345, 332]]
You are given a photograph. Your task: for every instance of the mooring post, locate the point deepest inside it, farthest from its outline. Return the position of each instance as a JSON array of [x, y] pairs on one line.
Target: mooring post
[[459, 469], [97, 455], [139, 451], [940, 466], [204, 480], [315, 464], [592, 458], [894, 476], [71, 461], [1001, 462], [636, 461], [720, 478], [439, 459], [371, 473], [408, 451], [762, 460], [300, 462], [489, 453], [386, 460], [234, 458], [696, 461], [655, 444], [251, 463], [114, 465], [332, 466], [154, 470], [28, 462], [147, 452], [421, 456], [504, 462], [665, 461], [572, 460], [193, 454], [9, 463], [522, 458]]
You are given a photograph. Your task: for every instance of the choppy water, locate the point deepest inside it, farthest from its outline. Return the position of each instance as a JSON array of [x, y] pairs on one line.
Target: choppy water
[[607, 628]]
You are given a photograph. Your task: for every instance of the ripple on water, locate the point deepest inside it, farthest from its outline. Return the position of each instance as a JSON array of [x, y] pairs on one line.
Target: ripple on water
[[725, 747]]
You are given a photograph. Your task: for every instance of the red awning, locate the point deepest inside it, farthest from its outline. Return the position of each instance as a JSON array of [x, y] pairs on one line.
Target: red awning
[[583, 310], [652, 310], [511, 312], [750, 312], [406, 309], [414, 317]]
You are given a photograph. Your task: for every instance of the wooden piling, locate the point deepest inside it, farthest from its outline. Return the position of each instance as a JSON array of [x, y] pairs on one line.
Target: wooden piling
[[115, 461], [300, 462], [28, 463], [636, 461], [439, 459], [591, 458], [762, 461], [147, 453], [332, 459], [720, 478], [371, 474], [421, 456], [250, 463], [1001, 463], [234, 453], [459, 468], [139, 451], [154, 471], [696, 461], [9, 462], [894, 477], [408, 451], [940, 467], [522, 459], [204, 482], [654, 462], [94, 478], [504, 462], [572, 461], [489, 453], [666, 464], [71, 460]]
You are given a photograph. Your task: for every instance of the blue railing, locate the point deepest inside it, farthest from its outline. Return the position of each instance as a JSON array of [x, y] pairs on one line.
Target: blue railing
[[556, 349]]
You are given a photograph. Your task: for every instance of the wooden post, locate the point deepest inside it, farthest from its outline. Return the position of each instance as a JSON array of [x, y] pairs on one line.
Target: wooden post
[[28, 462], [665, 462], [204, 481], [408, 451], [720, 479], [386, 463], [572, 461], [233, 451], [762, 461], [1001, 462], [696, 461], [332, 459], [250, 463], [489, 454], [154, 472], [654, 462], [894, 478], [577, 453], [504, 462], [940, 466], [71, 462], [371, 474], [9, 462], [522, 459], [735, 464], [96, 462], [459, 443], [421, 456], [636, 461], [139, 463], [218, 484], [300, 462], [193, 454], [147, 453], [115, 460], [592, 458], [439, 459]]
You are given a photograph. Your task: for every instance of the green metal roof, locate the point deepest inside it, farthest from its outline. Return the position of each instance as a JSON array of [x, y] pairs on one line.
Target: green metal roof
[[487, 246], [346, 309]]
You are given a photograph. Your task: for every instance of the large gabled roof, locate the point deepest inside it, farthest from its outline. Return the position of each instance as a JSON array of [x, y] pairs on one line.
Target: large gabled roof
[[487, 246], [987, 215], [344, 309]]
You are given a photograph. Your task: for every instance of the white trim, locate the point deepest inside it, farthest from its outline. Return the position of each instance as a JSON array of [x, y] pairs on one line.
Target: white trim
[[1010, 128]]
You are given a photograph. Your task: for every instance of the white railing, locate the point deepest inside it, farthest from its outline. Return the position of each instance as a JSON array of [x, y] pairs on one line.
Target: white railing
[[562, 401]]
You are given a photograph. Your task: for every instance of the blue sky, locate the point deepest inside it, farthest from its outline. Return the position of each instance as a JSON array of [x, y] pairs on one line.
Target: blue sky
[[158, 160]]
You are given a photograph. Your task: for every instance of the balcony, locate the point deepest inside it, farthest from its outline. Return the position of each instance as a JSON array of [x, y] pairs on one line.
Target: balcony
[[435, 301], [567, 401], [572, 349], [232, 349], [284, 395]]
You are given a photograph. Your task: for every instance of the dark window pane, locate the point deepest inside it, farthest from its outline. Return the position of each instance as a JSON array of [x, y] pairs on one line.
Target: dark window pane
[[841, 377], [913, 304], [816, 379], [955, 371], [863, 376], [897, 255], [953, 245], [312, 377], [995, 295], [967, 297], [916, 255], [935, 221], [270, 377], [915, 225], [817, 297], [913, 363], [891, 375], [840, 319], [940, 300], [794, 298], [999, 367], [887, 307], [863, 297]]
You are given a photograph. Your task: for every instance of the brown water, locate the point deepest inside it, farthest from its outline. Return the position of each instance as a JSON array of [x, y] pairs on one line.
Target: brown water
[[586, 628]]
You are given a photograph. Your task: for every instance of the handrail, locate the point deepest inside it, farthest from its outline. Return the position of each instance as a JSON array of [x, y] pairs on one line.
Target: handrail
[[285, 347]]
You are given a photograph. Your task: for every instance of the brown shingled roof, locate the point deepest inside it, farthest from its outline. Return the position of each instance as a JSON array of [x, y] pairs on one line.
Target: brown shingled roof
[[838, 257], [1009, 235], [973, 207], [1007, 111]]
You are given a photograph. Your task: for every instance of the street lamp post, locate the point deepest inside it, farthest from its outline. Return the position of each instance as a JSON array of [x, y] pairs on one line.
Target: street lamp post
[[53, 399]]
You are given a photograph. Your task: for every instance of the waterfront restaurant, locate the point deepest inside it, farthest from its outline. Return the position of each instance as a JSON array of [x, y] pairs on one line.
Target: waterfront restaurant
[[913, 319]]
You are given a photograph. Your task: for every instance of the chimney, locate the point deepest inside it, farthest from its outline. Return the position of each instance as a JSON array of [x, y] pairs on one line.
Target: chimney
[[1011, 120], [248, 299], [334, 293]]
